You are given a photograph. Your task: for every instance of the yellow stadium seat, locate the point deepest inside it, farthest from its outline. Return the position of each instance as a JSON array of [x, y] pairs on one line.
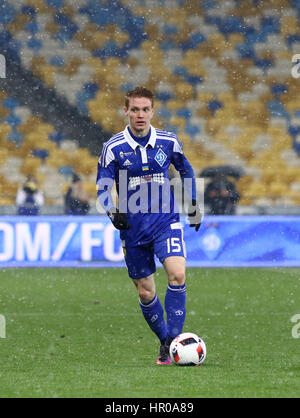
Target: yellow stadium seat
[[30, 166], [256, 190], [6, 201], [3, 155], [5, 129], [90, 188], [277, 189], [289, 25]]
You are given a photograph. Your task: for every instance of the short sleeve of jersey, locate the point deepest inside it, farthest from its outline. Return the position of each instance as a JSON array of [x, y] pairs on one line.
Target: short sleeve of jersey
[[106, 164], [179, 160], [178, 148], [184, 168], [106, 175]]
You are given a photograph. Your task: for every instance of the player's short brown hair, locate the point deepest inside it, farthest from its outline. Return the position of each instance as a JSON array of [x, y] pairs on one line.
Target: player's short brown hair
[[139, 91]]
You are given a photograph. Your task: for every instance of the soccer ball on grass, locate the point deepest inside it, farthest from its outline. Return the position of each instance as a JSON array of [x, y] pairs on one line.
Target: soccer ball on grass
[[188, 349]]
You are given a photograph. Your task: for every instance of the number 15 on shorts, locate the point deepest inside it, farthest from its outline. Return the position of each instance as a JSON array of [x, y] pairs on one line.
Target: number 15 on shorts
[[175, 246]]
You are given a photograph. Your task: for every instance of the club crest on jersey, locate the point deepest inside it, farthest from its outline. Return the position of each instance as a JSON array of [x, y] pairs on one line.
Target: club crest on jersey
[[160, 157]]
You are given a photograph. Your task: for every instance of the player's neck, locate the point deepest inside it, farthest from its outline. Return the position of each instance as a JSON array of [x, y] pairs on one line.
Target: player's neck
[[139, 134]]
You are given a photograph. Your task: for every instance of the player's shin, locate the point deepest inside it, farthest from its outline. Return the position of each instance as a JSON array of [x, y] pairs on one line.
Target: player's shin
[[154, 315], [175, 309]]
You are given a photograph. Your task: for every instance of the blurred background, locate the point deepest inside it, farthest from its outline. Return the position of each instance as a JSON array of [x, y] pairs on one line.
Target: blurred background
[[221, 72]]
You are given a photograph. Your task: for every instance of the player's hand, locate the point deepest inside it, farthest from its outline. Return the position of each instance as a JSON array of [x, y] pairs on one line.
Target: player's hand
[[119, 220], [194, 215]]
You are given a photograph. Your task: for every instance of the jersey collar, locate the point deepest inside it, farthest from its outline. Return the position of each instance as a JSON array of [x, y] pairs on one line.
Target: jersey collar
[[134, 144]]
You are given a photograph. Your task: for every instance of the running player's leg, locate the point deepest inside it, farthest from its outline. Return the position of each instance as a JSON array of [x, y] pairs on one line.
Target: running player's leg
[[175, 298], [141, 267], [170, 249], [153, 312]]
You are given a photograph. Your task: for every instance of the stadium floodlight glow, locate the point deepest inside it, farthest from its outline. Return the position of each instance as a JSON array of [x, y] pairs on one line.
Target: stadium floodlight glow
[[2, 66]]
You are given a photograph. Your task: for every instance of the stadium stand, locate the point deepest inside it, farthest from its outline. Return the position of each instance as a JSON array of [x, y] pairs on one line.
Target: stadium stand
[[221, 72]]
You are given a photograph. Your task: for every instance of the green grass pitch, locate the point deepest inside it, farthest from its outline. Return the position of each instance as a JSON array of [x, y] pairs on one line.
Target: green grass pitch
[[80, 333]]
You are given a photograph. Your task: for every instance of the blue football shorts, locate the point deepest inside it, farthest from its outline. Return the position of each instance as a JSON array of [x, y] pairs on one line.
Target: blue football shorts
[[140, 260]]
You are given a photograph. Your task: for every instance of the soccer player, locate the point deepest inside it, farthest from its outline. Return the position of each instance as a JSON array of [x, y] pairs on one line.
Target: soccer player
[[138, 160]]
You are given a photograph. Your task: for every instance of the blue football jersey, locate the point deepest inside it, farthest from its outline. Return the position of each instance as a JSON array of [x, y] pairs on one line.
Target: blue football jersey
[[142, 182]]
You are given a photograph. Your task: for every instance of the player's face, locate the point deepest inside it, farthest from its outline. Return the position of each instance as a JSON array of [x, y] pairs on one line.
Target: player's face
[[140, 113]]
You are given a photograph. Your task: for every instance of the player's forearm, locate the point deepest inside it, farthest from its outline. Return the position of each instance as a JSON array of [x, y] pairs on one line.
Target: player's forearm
[[105, 198], [189, 184]]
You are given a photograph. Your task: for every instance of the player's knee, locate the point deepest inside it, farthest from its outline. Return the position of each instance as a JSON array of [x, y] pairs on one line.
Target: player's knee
[[177, 278], [146, 295]]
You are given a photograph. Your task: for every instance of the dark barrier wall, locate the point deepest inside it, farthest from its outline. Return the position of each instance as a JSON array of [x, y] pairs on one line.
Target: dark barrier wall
[[92, 241]]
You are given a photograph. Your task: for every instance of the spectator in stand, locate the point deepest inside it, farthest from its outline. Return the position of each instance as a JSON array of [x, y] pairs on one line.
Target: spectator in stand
[[221, 196], [29, 199], [76, 199]]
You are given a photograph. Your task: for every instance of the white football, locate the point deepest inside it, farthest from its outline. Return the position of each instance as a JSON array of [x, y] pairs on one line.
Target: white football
[[188, 349]]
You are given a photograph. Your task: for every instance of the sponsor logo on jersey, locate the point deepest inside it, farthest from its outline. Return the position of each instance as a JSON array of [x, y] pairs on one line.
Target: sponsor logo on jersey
[[127, 163], [125, 154]]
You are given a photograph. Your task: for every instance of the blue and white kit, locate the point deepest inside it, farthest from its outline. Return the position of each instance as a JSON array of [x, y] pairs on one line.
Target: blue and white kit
[[142, 181]]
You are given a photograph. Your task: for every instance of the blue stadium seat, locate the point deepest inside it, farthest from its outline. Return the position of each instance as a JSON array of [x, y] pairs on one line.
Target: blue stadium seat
[[8, 12], [278, 89], [34, 44], [67, 27], [253, 37], [171, 128], [297, 113], [15, 137], [181, 71], [184, 113], [277, 109], [10, 103], [66, 170], [270, 25], [82, 97], [167, 45], [231, 24], [209, 4], [127, 86], [56, 137], [245, 50], [40, 153], [294, 131], [57, 61], [170, 29], [194, 41], [164, 113], [57, 4], [164, 96], [214, 105], [193, 79], [13, 120], [292, 39], [32, 27], [192, 130], [263, 63], [28, 10]]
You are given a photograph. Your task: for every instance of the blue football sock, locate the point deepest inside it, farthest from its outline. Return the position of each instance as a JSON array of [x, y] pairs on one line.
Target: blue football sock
[[154, 314], [175, 309]]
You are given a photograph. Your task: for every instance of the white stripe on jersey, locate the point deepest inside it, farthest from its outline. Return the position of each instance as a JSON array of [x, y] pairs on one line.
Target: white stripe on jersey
[[177, 147], [107, 153], [106, 144]]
